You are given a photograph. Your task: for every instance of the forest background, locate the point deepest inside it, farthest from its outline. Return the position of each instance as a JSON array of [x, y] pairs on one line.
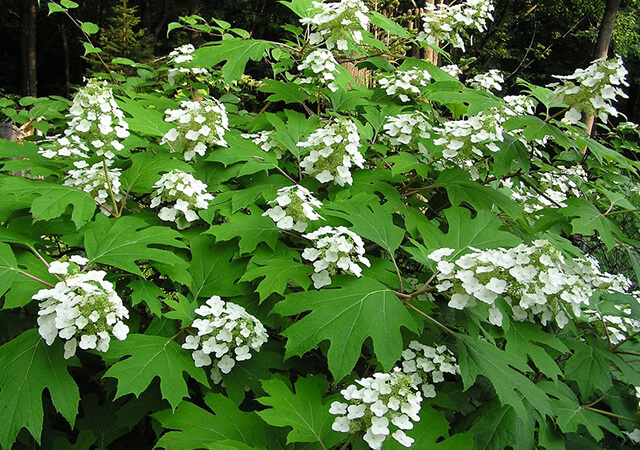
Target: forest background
[[529, 39]]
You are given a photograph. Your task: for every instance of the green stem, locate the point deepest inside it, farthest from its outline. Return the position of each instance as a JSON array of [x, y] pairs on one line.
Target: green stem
[[429, 318], [607, 413], [35, 279], [625, 211], [346, 444], [106, 177]]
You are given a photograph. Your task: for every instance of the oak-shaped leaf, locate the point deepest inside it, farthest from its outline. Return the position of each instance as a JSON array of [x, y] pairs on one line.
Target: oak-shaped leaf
[[303, 410], [523, 339], [123, 241], [252, 229], [194, 427], [570, 414], [360, 309], [477, 357], [147, 357], [27, 367]]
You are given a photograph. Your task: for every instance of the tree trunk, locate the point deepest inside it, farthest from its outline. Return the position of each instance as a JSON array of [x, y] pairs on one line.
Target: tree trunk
[[602, 46], [28, 47]]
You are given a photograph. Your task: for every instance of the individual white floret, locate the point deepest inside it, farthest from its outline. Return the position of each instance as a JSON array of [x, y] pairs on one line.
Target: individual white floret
[[198, 125], [488, 81], [83, 309], [426, 366], [333, 150], [293, 207], [182, 196], [227, 334]]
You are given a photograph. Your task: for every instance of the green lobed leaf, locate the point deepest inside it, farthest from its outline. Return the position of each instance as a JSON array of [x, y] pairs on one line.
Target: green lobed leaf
[[28, 367], [252, 229], [195, 427], [51, 200], [477, 357], [146, 168], [213, 269], [587, 219], [284, 92], [592, 358], [143, 291], [236, 53], [277, 274], [23, 288], [123, 241], [497, 427], [303, 410], [482, 232], [148, 357], [369, 219], [361, 308], [570, 414], [8, 268], [522, 339], [144, 119]]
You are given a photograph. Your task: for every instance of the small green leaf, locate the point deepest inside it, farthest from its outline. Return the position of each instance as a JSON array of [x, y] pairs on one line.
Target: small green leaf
[[89, 28], [587, 219], [89, 49], [8, 268], [54, 8], [148, 293], [388, 25], [123, 241], [172, 26], [277, 274], [478, 357], [149, 357], [251, 228], [302, 410], [69, 4], [236, 53], [213, 269]]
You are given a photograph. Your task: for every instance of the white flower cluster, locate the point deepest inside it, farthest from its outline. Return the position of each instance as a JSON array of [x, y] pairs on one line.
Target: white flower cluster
[[227, 333], [184, 194], [337, 24], [264, 139], [198, 124], [491, 80], [467, 140], [405, 129], [83, 309], [336, 250], [293, 206], [442, 23], [518, 105], [555, 188], [536, 281], [382, 403], [592, 90], [334, 149], [427, 365], [405, 83], [97, 181], [181, 55], [323, 66], [96, 125], [453, 70]]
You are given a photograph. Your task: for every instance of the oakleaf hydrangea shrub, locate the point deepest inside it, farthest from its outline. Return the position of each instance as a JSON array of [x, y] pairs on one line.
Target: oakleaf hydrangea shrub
[[227, 334], [82, 309], [182, 196], [416, 258]]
